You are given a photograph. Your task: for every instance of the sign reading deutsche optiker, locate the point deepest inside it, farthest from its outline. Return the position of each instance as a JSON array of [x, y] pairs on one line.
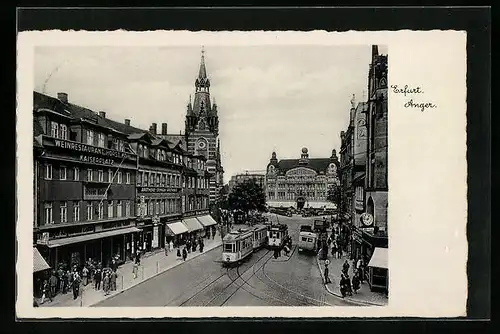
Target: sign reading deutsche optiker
[[79, 147], [157, 190]]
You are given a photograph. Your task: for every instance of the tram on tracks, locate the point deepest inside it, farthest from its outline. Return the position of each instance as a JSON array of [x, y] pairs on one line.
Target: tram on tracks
[[240, 244], [277, 236]]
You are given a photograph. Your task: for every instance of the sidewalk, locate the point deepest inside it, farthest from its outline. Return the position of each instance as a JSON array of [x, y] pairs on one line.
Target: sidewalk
[[152, 264], [364, 295]]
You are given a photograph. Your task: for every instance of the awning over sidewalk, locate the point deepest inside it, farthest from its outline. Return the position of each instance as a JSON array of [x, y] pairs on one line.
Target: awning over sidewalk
[[92, 236], [206, 220], [177, 228], [39, 263], [379, 258], [192, 224]]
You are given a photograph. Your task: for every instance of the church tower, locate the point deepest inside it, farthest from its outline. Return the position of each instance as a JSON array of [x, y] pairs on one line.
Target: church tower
[[202, 128]]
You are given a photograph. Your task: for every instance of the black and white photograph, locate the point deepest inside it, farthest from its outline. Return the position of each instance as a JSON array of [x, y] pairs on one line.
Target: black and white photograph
[[214, 176], [210, 176]]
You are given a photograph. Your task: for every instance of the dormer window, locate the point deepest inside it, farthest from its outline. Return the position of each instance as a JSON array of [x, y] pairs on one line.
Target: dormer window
[[100, 142], [90, 137], [63, 129], [139, 150], [54, 127]]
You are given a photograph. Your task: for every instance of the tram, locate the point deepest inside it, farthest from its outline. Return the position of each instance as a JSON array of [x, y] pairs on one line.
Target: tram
[[259, 236], [307, 239], [236, 246], [277, 235]]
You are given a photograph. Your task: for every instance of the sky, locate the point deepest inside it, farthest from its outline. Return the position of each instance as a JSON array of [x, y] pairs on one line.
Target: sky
[[269, 98]]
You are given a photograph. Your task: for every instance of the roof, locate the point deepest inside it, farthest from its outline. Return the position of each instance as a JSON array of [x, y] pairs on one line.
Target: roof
[[176, 139], [379, 258], [318, 164]]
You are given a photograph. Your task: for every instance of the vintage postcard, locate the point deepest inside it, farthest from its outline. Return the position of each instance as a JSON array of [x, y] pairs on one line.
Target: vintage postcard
[[241, 174]]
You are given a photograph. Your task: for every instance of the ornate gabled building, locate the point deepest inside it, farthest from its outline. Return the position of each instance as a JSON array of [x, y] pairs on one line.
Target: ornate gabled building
[[301, 183], [202, 129]]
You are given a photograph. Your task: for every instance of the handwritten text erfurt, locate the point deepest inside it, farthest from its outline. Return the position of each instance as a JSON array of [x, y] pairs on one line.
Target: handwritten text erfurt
[[406, 90]]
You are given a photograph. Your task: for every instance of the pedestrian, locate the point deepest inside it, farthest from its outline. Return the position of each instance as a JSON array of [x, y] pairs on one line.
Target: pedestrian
[[178, 253], [135, 269], [339, 250], [201, 245], [60, 277], [171, 245], [194, 245], [359, 267], [166, 249], [345, 267], [184, 254], [327, 278], [85, 274], [355, 282], [52, 285], [98, 278], [188, 246], [45, 291], [112, 280], [105, 284], [76, 284]]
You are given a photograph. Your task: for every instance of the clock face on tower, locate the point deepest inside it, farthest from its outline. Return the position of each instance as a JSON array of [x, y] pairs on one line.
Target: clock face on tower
[[202, 144]]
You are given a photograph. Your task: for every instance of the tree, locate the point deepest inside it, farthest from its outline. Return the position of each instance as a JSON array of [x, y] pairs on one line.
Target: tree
[[247, 196]]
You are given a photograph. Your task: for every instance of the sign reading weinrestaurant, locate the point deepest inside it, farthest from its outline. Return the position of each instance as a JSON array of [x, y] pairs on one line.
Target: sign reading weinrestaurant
[[80, 147]]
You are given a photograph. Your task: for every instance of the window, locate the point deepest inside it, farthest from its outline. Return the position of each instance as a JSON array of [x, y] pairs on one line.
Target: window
[[150, 208], [54, 127], [76, 173], [90, 137], [127, 209], [110, 209], [76, 211], [146, 177], [64, 212], [48, 172], [127, 177], [101, 175], [89, 211], [90, 175], [62, 173], [110, 176], [162, 206], [158, 180], [119, 177], [63, 131], [48, 213], [101, 210], [119, 208], [139, 178], [100, 141], [157, 207]]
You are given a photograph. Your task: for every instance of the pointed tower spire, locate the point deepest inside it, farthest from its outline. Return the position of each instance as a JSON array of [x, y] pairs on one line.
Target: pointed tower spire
[[202, 74], [374, 50], [218, 150]]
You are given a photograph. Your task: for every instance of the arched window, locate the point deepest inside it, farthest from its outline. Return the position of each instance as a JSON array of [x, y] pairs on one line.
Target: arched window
[[370, 207]]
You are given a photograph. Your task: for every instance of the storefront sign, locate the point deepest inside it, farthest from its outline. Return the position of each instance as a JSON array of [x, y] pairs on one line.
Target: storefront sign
[[96, 160], [155, 237], [157, 190], [80, 147]]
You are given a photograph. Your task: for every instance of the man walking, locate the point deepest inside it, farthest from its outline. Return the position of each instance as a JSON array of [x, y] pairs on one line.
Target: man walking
[[53, 285], [327, 277]]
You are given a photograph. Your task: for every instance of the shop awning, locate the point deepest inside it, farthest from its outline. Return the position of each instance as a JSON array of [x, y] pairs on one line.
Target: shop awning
[[206, 220], [192, 224], [379, 258], [177, 228], [39, 263], [92, 236]]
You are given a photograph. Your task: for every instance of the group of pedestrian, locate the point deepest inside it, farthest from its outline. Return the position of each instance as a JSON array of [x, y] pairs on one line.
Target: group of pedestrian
[[190, 246], [61, 281], [348, 285]]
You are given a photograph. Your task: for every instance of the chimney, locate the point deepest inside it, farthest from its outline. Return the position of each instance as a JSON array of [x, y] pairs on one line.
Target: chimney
[[164, 129], [154, 128], [102, 114], [63, 97], [127, 121]]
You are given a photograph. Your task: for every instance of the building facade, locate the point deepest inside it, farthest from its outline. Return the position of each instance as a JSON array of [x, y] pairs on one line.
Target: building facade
[[106, 189], [301, 183], [258, 176], [364, 171]]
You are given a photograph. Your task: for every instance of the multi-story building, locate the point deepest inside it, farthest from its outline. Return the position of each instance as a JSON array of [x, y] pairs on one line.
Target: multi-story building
[[258, 176], [301, 182], [364, 173], [86, 184]]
